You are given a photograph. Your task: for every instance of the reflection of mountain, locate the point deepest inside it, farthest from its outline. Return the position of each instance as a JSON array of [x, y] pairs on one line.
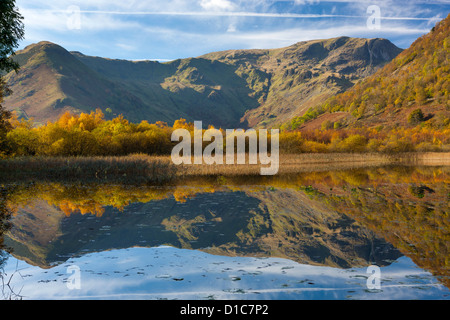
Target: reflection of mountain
[[336, 218], [414, 218], [262, 222], [406, 206]]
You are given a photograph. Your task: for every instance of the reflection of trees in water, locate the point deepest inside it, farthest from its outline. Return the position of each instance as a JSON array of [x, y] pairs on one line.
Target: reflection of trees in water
[[91, 198], [5, 225], [7, 291]]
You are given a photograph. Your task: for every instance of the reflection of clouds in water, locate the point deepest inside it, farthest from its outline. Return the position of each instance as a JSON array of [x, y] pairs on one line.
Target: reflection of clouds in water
[[166, 272]]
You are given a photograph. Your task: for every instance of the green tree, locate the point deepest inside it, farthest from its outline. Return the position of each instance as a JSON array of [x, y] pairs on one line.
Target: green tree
[[11, 32], [416, 117], [5, 126]]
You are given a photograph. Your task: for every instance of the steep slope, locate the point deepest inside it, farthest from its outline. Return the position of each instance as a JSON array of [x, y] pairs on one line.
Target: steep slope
[[307, 73], [229, 89], [418, 78], [194, 88], [52, 81]]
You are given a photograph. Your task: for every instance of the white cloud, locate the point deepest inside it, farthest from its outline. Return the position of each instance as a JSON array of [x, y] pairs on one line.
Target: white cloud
[[232, 28], [181, 28], [267, 39], [286, 37], [302, 2], [217, 5], [126, 47], [41, 19]]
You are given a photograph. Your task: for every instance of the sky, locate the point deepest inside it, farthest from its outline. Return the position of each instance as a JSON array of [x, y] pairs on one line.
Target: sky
[[171, 29]]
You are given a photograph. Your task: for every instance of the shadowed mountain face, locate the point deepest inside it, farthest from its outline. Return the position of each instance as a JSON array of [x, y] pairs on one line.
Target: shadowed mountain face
[[237, 88]]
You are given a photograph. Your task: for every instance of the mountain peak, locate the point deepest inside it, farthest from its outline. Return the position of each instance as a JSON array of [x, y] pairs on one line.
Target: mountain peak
[[42, 45]]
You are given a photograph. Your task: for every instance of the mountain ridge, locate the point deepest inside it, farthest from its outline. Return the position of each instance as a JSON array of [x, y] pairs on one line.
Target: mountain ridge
[[418, 78], [234, 88]]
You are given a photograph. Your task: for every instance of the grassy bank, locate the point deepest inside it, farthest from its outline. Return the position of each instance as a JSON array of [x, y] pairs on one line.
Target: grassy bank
[[161, 170], [135, 169]]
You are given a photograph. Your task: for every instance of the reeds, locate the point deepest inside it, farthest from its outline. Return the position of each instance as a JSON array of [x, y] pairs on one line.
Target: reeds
[[134, 168], [141, 168]]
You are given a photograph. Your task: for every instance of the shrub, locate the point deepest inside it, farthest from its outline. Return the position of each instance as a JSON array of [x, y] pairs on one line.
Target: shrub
[[353, 143], [416, 117]]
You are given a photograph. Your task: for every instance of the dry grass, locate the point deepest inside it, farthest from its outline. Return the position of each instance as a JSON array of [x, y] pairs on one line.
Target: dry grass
[[115, 169], [294, 163], [160, 170]]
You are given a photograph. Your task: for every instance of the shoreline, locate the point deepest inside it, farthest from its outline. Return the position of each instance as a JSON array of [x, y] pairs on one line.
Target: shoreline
[[141, 168]]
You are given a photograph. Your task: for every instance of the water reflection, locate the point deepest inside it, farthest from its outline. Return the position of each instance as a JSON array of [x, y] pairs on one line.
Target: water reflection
[[5, 225], [335, 221], [7, 291]]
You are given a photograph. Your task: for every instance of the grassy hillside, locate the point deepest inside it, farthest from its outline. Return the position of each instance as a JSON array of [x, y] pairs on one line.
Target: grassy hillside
[[239, 88], [52, 81], [412, 90], [307, 73]]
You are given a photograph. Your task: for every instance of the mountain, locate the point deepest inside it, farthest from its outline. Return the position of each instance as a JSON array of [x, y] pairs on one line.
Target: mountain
[[418, 78], [305, 74], [236, 88]]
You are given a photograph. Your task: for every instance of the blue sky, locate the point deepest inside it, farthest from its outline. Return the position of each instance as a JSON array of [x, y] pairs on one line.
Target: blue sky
[[171, 29]]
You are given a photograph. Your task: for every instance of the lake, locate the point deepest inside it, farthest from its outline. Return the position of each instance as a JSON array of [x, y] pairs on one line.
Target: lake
[[364, 233]]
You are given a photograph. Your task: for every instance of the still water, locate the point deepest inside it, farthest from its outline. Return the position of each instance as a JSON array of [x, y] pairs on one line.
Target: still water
[[375, 233]]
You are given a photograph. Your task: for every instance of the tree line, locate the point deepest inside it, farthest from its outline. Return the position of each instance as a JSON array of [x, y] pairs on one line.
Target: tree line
[[90, 134]]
